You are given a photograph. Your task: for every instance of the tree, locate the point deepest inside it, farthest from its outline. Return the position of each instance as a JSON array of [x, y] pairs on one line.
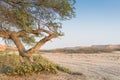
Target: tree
[[22, 21]]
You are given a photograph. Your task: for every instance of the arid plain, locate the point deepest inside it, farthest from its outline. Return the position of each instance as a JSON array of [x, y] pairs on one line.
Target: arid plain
[[84, 66]]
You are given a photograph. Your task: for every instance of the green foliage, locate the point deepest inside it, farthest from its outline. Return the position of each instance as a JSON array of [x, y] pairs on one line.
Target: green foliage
[[23, 19], [29, 40], [10, 65], [31, 15], [64, 69]]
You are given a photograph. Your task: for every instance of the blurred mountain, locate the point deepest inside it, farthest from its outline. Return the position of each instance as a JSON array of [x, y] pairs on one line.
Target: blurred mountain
[[107, 46], [78, 49], [4, 47], [87, 49]]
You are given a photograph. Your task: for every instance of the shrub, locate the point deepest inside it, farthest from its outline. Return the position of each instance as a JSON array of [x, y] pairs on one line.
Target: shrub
[[10, 65]]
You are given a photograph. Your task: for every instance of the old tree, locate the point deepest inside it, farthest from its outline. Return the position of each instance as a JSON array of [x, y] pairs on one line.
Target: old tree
[[22, 21]]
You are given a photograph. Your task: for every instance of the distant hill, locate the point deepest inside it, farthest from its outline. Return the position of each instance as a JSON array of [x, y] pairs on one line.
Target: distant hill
[[78, 49], [107, 46], [89, 49], [4, 47]]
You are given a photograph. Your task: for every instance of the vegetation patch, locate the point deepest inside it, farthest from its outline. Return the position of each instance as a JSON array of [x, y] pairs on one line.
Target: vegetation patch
[[10, 65]]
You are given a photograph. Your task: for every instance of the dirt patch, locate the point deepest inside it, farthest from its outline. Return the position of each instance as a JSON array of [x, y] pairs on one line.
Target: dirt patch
[[103, 66]]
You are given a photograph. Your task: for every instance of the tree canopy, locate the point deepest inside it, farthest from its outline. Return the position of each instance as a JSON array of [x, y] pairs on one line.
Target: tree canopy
[[24, 20]]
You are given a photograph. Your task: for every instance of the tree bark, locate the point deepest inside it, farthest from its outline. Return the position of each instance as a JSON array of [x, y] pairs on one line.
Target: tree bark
[[18, 44], [41, 43], [21, 49]]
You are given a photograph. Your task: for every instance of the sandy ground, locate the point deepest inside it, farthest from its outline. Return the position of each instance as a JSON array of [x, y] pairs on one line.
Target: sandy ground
[[103, 66]]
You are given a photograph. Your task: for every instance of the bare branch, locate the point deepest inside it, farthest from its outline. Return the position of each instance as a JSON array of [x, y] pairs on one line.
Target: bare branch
[[41, 42]]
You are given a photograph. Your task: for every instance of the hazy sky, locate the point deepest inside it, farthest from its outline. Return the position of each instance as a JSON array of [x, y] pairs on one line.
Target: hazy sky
[[97, 22]]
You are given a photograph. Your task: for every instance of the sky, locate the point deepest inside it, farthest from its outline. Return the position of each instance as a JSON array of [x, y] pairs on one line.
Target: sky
[[97, 22]]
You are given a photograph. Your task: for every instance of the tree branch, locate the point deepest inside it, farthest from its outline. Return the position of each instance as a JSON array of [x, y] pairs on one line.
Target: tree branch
[[41, 42], [5, 35]]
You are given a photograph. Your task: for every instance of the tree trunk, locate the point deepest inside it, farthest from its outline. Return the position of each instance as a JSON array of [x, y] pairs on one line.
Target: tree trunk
[[18, 44], [22, 52], [21, 49], [28, 53]]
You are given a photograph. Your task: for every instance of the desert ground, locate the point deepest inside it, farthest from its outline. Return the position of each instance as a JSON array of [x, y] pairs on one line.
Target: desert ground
[[102, 66], [97, 66]]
